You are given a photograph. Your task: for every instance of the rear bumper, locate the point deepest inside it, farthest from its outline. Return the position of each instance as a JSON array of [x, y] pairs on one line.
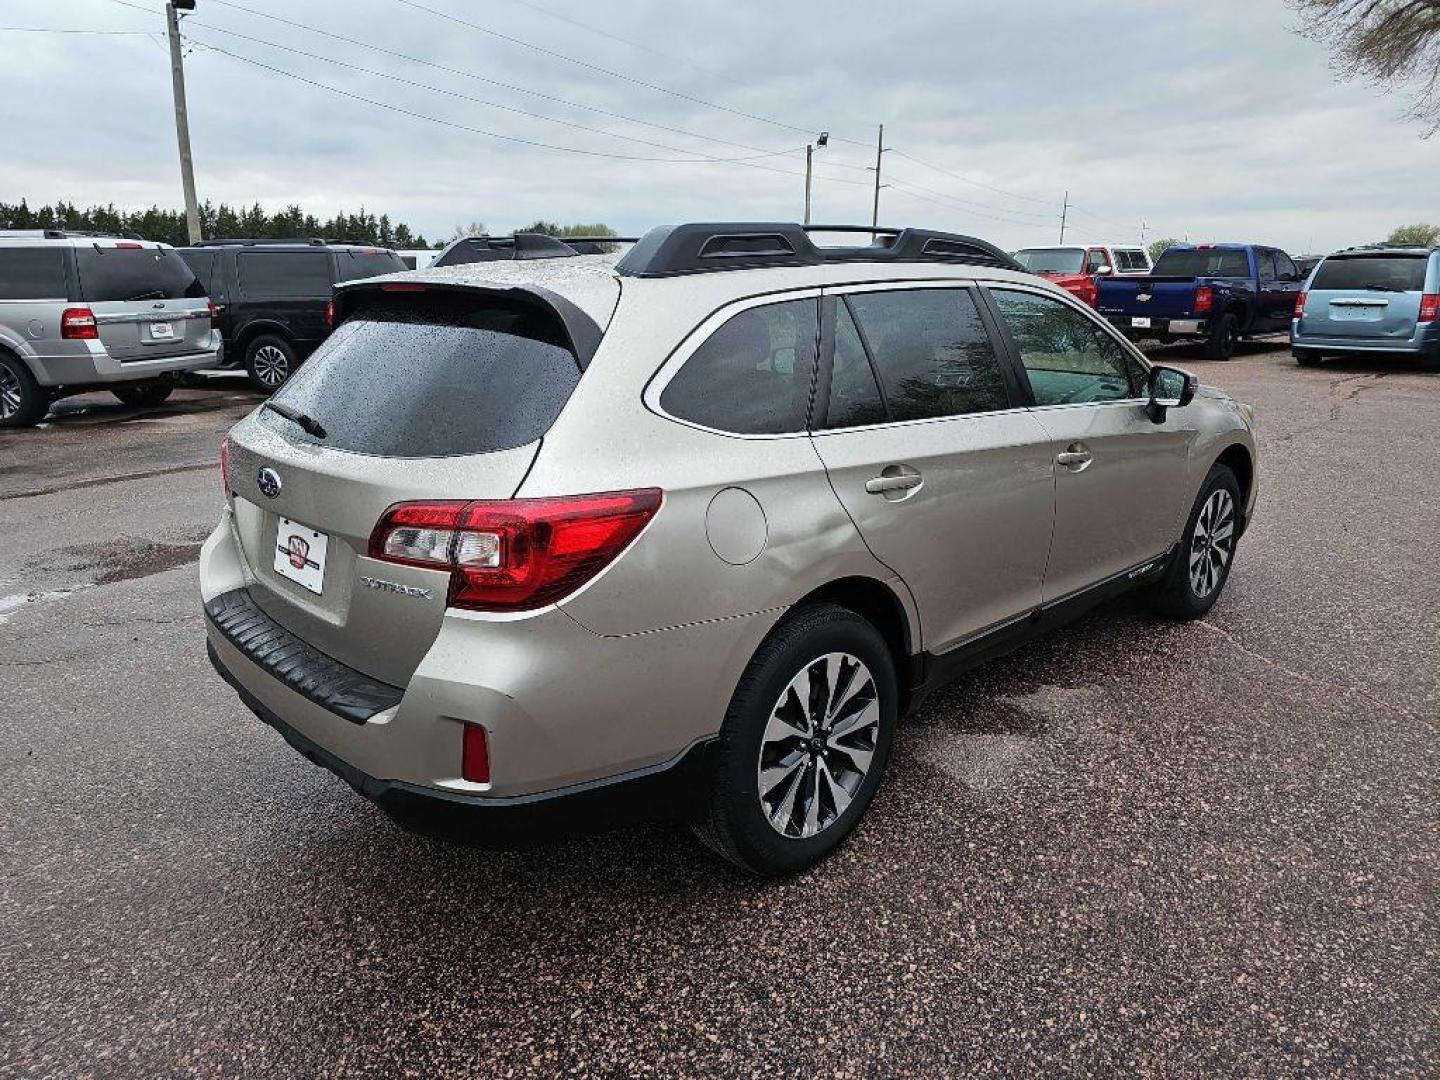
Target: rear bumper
[[92, 365], [1160, 325], [1424, 342]]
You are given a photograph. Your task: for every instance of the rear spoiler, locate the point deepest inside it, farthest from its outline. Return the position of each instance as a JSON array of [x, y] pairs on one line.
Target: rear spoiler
[[582, 331], [473, 249]]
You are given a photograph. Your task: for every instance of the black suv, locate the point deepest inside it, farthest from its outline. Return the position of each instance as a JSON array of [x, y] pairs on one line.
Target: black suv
[[274, 296]]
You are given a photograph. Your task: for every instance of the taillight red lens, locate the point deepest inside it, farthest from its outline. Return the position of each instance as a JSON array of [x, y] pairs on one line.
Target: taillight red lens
[[78, 324], [214, 315], [1429, 307], [225, 464], [514, 554], [475, 755], [1204, 298], [329, 314], [1300, 304]]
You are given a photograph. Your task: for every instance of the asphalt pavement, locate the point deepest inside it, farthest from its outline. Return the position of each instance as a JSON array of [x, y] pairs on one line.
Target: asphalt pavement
[[1135, 847]]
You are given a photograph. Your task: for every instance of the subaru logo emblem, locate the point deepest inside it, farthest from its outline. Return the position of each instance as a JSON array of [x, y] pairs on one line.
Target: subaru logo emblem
[[269, 481]]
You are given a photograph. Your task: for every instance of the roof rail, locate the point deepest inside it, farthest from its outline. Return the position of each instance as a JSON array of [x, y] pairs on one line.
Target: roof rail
[[253, 241], [522, 245], [67, 234], [702, 247]]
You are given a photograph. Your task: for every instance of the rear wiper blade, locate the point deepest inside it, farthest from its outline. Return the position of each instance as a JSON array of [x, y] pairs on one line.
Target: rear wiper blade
[[307, 423], [149, 294], [1372, 286]]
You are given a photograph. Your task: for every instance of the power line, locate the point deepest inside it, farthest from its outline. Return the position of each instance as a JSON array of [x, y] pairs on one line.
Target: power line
[[980, 211], [973, 183], [592, 29], [58, 30]]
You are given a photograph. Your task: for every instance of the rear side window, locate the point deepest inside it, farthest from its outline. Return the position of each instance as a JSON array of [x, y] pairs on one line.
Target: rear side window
[[854, 395], [1207, 262], [932, 352], [1381, 273], [116, 273], [435, 376], [285, 275], [753, 376], [362, 264], [203, 263], [32, 274]]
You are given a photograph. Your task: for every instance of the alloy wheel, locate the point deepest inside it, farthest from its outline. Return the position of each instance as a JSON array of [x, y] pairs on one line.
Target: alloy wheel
[[1212, 543], [272, 367], [818, 745], [9, 393]]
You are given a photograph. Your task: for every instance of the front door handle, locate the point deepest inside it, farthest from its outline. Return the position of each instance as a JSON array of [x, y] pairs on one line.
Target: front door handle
[[1074, 457], [881, 484]]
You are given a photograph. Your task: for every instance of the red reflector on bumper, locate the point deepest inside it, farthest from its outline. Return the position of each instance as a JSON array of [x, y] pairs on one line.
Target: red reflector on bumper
[[475, 755]]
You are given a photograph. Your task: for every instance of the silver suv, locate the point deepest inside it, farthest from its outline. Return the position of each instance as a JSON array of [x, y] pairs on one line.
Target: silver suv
[[81, 311], [687, 533]]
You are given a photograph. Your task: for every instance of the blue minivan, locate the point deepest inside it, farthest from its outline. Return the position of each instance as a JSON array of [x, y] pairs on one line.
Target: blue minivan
[[1370, 300]]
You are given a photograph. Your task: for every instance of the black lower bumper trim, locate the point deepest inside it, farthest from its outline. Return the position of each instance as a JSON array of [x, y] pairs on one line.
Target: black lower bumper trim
[[677, 788], [296, 663]]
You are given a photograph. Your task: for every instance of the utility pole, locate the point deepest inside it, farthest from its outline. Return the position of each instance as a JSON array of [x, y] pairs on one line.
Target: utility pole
[[1064, 212], [182, 120], [875, 209], [810, 148]]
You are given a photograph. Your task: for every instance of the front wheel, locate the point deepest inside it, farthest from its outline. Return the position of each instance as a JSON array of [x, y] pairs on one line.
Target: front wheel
[[1201, 565], [804, 743], [143, 395], [269, 361]]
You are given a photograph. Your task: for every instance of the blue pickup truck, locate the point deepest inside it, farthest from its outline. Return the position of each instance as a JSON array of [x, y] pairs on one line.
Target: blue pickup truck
[[1215, 293]]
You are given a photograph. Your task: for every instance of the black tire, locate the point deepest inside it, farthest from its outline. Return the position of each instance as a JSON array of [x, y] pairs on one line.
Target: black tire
[[23, 401], [1224, 337], [270, 360], [735, 826], [143, 395], [1176, 595], [1430, 362], [1308, 357]]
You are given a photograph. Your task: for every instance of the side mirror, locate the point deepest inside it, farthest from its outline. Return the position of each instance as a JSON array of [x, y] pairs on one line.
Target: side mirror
[[1170, 388], [1103, 270]]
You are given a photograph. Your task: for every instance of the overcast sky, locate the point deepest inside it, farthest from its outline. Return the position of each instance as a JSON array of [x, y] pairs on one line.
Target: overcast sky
[[1213, 119]]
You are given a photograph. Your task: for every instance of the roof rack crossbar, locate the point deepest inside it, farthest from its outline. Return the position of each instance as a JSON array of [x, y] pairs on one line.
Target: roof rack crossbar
[[702, 247]]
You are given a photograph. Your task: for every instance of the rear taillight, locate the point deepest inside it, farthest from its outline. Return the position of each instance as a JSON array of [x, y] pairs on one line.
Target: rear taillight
[[1300, 304], [78, 324], [514, 554], [214, 315], [475, 755], [1204, 298], [329, 314], [1429, 307], [225, 464]]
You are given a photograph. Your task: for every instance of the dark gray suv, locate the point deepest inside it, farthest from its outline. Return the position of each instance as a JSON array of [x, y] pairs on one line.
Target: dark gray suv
[[82, 312]]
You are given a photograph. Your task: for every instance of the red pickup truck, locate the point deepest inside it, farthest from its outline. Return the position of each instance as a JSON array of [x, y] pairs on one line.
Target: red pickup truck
[[1077, 268]]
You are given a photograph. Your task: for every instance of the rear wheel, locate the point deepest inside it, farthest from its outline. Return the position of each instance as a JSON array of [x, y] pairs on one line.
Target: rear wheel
[[1223, 339], [1430, 361], [1308, 357], [804, 743], [22, 400], [269, 361], [1201, 565], [143, 395]]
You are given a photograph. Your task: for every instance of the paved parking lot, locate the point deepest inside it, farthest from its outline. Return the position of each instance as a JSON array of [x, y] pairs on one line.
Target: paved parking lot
[[1136, 846]]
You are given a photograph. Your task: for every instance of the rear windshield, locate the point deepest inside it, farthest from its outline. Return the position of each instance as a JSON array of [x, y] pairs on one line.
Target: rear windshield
[[434, 376], [1052, 260], [1380, 273], [1131, 259], [1210, 262], [115, 273], [350, 265]]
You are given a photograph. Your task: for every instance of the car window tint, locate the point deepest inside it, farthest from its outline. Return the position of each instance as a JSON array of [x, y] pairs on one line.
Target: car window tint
[[1265, 261], [434, 376], [1068, 359], [134, 273], [1131, 259], [932, 351], [32, 274], [753, 375], [284, 275], [363, 264], [203, 263], [854, 396], [1096, 260], [1381, 273], [1285, 266], [1203, 262]]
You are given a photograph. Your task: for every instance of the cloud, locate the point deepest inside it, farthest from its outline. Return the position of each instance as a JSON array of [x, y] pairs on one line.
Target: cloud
[[1217, 122]]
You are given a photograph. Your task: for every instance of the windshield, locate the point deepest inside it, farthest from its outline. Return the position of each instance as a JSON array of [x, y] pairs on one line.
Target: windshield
[[134, 273], [1380, 273], [435, 376], [1052, 260], [1203, 262]]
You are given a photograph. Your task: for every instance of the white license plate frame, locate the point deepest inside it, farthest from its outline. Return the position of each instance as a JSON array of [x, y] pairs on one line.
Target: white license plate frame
[[300, 554], [162, 331]]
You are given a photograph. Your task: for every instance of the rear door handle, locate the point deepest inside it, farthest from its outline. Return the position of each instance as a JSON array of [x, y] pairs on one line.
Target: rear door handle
[[881, 484]]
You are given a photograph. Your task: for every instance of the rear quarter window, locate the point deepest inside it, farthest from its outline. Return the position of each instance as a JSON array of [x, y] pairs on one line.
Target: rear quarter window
[[120, 274], [434, 376], [32, 274], [1382, 273], [203, 263], [285, 275]]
